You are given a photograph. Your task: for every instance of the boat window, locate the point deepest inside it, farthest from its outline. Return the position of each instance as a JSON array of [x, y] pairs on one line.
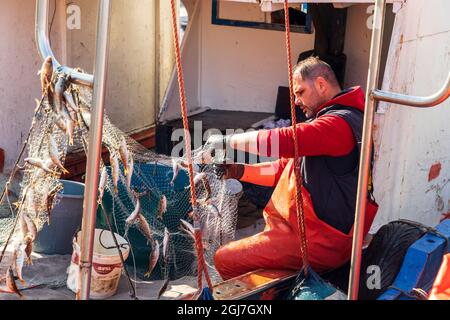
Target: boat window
[[250, 15]]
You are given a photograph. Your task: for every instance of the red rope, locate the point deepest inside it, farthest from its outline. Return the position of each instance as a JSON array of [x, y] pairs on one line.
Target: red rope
[[298, 177], [187, 136]]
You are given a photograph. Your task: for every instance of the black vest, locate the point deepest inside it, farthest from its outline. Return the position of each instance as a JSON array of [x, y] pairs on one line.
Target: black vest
[[332, 181]]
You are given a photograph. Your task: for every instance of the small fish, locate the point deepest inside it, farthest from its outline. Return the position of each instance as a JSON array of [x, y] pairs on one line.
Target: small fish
[[40, 164], [163, 288], [46, 73], [29, 249], [54, 153], [175, 170], [162, 206], [32, 229], [144, 227], [123, 152], [32, 201], [50, 198], [60, 122], [11, 282], [70, 126], [18, 262], [71, 105], [60, 87], [166, 244], [199, 177], [115, 171], [102, 184], [154, 257], [188, 228], [86, 115], [130, 172], [132, 218], [23, 226]]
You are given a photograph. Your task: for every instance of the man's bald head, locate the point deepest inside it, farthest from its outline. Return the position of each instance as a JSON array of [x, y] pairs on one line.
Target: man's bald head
[[314, 84]]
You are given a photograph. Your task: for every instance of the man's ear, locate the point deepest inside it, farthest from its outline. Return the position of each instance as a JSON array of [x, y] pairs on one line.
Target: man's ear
[[321, 85]]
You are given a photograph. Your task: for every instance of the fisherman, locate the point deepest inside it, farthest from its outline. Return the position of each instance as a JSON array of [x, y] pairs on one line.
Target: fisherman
[[329, 145]]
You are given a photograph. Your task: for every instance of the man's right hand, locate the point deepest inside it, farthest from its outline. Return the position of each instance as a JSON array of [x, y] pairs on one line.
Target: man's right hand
[[229, 171]]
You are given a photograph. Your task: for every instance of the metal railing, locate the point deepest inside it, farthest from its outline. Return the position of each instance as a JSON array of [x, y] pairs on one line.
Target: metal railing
[[373, 95], [98, 81], [45, 50]]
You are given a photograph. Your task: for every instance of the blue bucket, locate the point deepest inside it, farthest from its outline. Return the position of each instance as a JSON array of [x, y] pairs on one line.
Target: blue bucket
[[66, 218]]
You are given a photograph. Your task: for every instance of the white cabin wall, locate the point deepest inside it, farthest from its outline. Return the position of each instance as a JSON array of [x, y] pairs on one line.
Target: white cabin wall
[[243, 67], [411, 144], [19, 62], [357, 46]]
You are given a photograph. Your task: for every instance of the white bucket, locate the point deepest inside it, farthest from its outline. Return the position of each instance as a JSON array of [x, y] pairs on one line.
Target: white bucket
[[106, 264]]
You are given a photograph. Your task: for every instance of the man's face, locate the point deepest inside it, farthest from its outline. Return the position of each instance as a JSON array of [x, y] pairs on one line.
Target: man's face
[[306, 96]]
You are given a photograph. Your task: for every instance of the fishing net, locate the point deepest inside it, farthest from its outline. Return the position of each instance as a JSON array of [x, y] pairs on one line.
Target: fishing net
[[159, 183]]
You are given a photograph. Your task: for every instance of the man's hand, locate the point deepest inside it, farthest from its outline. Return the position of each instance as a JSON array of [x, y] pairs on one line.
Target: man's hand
[[229, 171]]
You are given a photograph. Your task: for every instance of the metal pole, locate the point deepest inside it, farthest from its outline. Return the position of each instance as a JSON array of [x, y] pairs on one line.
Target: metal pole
[[94, 149], [44, 49], [364, 163], [413, 101]]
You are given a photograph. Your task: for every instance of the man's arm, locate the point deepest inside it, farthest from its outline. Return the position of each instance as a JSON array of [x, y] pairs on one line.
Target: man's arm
[[328, 135]]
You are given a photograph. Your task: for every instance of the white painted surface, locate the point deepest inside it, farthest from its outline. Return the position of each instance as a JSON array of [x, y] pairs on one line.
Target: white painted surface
[[409, 141]]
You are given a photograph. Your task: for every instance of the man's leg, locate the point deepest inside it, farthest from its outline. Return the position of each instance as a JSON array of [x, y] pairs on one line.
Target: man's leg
[[271, 249]]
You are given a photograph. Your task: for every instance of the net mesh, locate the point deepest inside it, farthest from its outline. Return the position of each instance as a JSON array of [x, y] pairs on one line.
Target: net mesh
[[160, 183]]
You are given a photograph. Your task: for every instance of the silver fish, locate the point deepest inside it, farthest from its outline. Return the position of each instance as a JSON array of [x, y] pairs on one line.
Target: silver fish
[[166, 244], [132, 218], [11, 282], [32, 229], [60, 122], [18, 262], [39, 164], [188, 228], [115, 171], [102, 184], [70, 101], [175, 170], [54, 153], [60, 87], [46, 73], [130, 172], [123, 152], [162, 206], [144, 227], [154, 257]]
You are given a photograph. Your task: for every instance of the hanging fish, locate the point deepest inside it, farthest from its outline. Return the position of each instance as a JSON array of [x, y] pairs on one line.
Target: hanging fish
[[115, 170], [154, 257], [163, 288], [71, 105], [175, 170], [18, 262], [54, 153], [50, 198], [40, 164], [11, 282], [32, 201], [86, 115], [199, 177], [60, 122], [23, 226], [60, 87], [132, 218], [213, 209], [46, 73], [144, 227], [28, 249], [162, 206], [32, 229], [102, 184], [188, 228], [166, 244], [130, 172], [123, 152], [70, 126]]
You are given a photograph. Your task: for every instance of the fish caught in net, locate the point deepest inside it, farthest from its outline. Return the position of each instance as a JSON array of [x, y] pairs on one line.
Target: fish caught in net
[[145, 196]]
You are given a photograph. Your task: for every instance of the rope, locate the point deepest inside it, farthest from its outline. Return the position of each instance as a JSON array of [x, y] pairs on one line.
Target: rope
[[298, 177], [187, 136]]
